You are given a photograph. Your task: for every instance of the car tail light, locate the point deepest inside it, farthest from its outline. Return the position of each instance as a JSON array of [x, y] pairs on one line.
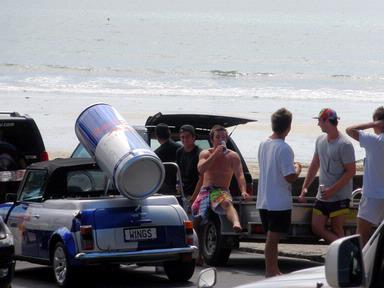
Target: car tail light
[[12, 176], [44, 156], [188, 227], [86, 234]]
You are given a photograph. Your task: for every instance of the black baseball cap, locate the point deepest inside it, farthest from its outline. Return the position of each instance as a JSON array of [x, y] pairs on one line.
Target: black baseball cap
[[187, 128]]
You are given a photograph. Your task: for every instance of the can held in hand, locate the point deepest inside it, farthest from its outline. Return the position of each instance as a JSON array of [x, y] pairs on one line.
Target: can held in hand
[[225, 151], [322, 190], [120, 151]]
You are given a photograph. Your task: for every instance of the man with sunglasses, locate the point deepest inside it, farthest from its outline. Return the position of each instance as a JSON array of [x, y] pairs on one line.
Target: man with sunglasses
[[335, 157]]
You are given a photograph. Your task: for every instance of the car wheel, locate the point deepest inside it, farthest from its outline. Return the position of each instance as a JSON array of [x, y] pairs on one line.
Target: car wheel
[[63, 272], [213, 249], [179, 271]]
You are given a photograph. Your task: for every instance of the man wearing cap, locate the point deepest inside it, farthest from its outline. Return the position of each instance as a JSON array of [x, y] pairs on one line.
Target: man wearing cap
[[335, 157], [167, 153], [371, 207], [187, 158]]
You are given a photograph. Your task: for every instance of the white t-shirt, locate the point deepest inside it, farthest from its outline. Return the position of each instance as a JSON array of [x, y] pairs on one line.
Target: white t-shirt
[[373, 181], [276, 160]]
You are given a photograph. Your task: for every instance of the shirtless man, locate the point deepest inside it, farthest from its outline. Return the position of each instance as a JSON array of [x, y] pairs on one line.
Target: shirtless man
[[217, 165]]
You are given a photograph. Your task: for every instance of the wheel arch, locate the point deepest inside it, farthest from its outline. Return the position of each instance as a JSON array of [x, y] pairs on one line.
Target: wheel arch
[[66, 237]]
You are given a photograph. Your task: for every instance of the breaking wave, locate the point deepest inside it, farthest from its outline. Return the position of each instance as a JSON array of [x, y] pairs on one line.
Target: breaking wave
[[213, 83]]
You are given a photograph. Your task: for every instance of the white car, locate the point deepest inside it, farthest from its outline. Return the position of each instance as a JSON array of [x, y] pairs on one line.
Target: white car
[[346, 265]]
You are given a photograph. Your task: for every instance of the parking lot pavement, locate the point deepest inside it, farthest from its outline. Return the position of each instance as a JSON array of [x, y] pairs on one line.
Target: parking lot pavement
[[302, 251]]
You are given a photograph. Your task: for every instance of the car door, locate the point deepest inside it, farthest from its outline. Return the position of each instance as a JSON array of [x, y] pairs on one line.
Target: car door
[[23, 219]]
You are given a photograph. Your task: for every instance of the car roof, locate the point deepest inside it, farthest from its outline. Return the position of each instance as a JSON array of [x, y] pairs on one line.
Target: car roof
[[67, 163], [12, 115], [199, 121]]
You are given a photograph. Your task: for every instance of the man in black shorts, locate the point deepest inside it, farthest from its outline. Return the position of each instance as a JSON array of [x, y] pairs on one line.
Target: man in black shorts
[[274, 199], [335, 158]]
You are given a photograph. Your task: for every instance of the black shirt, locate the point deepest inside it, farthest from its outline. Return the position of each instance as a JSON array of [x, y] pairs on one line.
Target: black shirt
[[167, 153], [187, 162]]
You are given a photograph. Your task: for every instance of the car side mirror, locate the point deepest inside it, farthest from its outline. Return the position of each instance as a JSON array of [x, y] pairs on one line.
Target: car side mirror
[[344, 265], [207, 278], [10, 197]]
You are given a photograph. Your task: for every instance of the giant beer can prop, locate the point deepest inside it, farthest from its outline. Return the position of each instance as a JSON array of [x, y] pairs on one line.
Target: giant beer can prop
[[120, 152]]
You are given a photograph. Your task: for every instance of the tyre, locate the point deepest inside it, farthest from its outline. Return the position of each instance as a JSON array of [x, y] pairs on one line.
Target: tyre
[[178, 271], [64, 274], [215, 248]]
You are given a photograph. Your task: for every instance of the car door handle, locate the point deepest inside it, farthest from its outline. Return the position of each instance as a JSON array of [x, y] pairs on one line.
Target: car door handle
[[37, 216]]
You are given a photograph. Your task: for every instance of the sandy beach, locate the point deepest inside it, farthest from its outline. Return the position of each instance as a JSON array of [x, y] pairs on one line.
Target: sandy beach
[[56, 115]]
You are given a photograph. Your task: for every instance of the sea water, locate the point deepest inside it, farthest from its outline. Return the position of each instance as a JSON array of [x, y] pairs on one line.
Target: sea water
[[242, 58]]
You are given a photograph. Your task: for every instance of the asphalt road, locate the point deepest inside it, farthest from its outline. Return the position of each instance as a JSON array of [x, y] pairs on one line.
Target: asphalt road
[[242, 268]]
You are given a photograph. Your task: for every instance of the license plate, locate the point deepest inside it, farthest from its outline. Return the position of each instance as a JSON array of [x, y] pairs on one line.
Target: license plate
[[140, 234]]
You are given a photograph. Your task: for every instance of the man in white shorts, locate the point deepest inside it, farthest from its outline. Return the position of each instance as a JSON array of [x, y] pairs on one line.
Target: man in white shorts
[[371, 208]]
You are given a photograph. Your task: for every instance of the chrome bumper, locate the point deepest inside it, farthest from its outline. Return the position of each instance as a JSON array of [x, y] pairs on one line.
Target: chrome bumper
[[156, 255]]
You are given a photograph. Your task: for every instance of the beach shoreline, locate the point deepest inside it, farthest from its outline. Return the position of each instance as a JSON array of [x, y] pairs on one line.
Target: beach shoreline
[[56, 114]]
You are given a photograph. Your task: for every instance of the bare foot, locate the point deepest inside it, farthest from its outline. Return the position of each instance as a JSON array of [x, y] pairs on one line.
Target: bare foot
[[237, 227]]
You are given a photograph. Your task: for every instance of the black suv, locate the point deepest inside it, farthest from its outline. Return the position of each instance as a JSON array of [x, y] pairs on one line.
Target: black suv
[[20, 145]]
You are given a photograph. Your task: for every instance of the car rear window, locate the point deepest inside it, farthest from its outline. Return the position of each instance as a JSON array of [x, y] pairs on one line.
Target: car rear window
[[25, 136]]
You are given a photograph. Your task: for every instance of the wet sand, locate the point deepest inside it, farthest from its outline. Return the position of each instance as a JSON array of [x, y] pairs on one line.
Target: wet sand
[[55, 114]]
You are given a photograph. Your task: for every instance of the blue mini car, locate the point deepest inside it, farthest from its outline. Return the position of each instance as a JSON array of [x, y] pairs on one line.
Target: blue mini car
[[67, 214]]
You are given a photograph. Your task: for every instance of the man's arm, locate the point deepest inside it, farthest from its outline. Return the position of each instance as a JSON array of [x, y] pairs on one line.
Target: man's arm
[[311, 174], [353, 131], [206, 159], [239, 174], [350, 171], [291, 178], [197, 189]]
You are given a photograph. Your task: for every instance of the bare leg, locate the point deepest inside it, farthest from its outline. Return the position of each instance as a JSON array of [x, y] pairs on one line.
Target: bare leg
[[337, 225], [318, 228], [365, 229], [271, 254], [232, 215]]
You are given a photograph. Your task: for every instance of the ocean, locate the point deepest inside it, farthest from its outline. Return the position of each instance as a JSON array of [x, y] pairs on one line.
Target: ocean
[[242, 58]]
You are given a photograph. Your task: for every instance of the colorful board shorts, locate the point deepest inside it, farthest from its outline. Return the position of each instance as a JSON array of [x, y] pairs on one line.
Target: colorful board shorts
[[211, 196]]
